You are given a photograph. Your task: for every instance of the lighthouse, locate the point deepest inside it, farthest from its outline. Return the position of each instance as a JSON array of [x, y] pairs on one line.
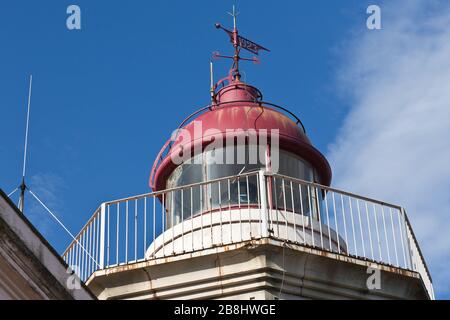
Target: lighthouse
[[242, 207]]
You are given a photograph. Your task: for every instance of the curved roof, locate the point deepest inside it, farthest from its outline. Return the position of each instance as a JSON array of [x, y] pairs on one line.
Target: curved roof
[[238, 110]]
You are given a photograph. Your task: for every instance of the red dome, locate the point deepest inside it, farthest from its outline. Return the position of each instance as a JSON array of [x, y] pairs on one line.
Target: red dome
[[238, 107]]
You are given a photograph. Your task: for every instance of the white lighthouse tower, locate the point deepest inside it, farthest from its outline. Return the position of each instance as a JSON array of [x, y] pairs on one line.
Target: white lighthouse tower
[[241, 208]]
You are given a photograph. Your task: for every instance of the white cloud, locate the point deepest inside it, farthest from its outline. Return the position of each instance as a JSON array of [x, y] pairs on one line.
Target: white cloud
[[395, 142]]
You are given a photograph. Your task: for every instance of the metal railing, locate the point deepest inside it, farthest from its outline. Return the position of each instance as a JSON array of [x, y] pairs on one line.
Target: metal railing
[[240, 208]]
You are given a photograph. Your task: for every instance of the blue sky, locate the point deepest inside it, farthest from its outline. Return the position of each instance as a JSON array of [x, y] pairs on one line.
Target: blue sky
[[105, 98]]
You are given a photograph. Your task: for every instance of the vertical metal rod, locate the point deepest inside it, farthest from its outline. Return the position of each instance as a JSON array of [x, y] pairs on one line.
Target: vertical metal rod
[[248, 208], [126, 231], [154, 220], [220, 212], [229, 210], [211, 213], [98, 240], [163, 223], [302, 211], [192, 220], [94, 244], [311, 216], [328, 219], [385, 234], [336, 223], [353, 226], [83, 255], [85, 252], [78, 260], [201, 215], [268, 183], [293, 211], [135, 228], [172, 223], [108, 239], [92, 263], [102, 235], [117, 233], [361, 229], [72, 255], [88, 259], [370, 232], [276, 206], [401, 237], [74, 250], [239, 206], [73, 264], [284, 207], [262, 210], [211, 74], [319, 215], [182, 220], [407, 239], [88, 248], [26, 130], [393, 236], [69, 256], [144, 248], [345, 223], [23, 186], [378, 233]]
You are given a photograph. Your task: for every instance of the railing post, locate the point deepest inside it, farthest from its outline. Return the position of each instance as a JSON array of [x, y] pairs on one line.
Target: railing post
[[408, 240], [263, 197], [102, 237]]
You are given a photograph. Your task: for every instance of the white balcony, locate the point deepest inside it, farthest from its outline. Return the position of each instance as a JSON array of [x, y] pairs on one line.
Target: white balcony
[[243, 208]]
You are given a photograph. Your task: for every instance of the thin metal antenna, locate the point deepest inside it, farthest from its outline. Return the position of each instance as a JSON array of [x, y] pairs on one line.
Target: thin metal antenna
[[23, 186], [234, 14], [211, 87]]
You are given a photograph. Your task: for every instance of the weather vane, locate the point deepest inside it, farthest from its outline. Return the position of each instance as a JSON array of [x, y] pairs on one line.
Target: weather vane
[[239, 43]]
